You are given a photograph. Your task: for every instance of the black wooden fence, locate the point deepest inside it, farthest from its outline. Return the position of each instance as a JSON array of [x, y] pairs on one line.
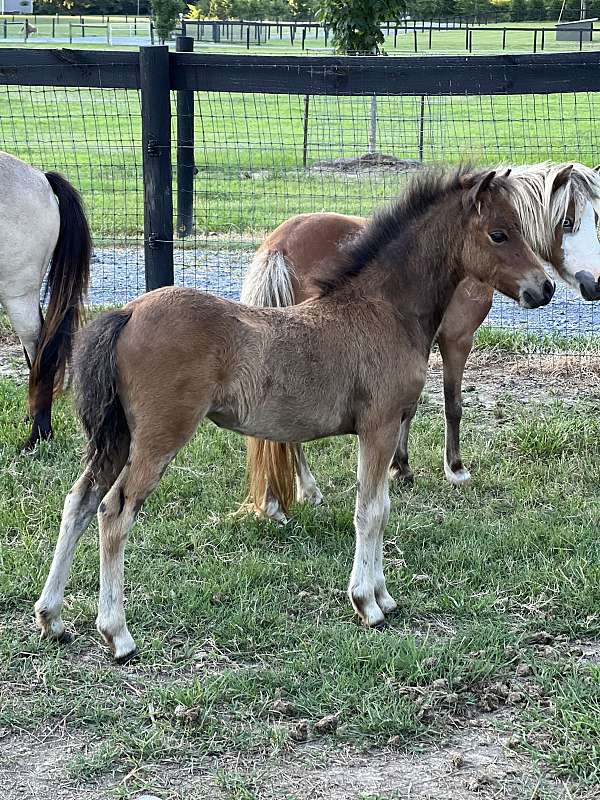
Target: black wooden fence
[[519, 108]]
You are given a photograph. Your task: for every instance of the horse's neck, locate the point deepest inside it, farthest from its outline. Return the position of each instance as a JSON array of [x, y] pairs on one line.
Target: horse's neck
[[418, 281]]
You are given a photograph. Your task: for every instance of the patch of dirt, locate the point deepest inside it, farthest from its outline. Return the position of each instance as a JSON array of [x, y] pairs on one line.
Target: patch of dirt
[[475, 761], [368, 163], [35, 767], [491, 376]]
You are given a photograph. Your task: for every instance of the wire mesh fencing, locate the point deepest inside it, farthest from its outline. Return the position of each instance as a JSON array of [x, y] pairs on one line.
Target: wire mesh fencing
[[259, 157], [93, 137], [263, 158]]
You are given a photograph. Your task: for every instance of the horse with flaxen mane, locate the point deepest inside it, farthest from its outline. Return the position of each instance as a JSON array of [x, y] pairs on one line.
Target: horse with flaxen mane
[[43, 223], [556, 205], [352, 362]]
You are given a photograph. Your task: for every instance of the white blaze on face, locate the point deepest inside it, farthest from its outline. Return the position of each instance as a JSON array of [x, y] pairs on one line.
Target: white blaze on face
[[581, 250]]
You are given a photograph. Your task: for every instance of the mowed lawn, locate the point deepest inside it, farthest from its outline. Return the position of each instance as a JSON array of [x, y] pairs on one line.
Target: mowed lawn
[[249, 149], [485, 38], [233, 614]]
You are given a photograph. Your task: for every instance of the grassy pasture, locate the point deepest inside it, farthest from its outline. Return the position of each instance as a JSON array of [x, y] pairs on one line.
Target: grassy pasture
[[249, 148], [232, 614], [485, 39]]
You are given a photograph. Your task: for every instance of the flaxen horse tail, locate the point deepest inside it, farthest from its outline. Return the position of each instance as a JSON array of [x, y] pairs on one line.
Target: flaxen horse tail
[[270, 465], [66, 286], [97, 400]]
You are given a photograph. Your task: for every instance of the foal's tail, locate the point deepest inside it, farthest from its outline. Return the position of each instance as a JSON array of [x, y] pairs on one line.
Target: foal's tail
[[271, 465], [66, 286], [96, 398]]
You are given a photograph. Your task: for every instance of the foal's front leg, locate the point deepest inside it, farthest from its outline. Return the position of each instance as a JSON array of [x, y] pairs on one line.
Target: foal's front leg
[[367, 590]]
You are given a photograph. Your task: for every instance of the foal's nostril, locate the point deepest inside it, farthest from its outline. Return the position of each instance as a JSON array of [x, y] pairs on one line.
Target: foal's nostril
[[548, 290]]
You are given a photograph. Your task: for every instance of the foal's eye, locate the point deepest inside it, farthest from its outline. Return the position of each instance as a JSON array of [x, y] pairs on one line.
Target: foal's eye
[[498, 236], [568, 223]]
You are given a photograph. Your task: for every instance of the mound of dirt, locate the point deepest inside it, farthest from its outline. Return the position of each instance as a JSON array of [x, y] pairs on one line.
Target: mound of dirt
[[368, 162]]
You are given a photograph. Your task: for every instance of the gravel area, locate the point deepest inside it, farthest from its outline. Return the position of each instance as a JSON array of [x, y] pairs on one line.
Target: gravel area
[[118, 276]]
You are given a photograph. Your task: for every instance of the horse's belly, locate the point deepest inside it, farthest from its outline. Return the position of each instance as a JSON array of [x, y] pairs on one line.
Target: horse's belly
[[283, 424]]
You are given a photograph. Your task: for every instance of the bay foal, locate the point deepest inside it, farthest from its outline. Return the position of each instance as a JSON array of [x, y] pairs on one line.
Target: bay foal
[[352, 361], [556, 205]]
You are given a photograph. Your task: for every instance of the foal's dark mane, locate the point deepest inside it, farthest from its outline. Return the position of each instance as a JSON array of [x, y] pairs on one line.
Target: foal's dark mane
[[392, 222]]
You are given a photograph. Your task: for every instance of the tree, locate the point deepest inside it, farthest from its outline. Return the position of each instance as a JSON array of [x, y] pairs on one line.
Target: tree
[[166, 14], [219, 9], [356, 28], [537, 9], [356, 24], [518, 10], [198, 10]]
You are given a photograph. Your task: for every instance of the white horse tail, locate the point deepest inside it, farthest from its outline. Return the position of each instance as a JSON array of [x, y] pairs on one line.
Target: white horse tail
[[269, 281], [271, 469]]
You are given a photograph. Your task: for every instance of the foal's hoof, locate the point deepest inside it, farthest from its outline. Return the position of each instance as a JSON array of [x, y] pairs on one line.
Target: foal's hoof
[[459, 476], [65, 638], [127, 658]]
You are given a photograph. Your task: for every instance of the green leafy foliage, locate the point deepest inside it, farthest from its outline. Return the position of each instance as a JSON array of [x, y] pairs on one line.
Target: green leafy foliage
[[166, 13], [518, 10], [356, 25]]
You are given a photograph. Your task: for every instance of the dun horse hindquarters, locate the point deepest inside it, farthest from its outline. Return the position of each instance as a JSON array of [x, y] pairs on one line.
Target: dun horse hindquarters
[[146, 375], [42, 223], [555, 204]]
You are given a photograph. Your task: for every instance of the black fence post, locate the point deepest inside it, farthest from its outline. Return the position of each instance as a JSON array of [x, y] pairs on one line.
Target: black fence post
[[156, 146], [185, 150]]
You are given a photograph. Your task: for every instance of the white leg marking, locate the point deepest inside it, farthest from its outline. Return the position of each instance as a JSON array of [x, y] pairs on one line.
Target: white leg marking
[[461, 477], [385, 601], [369, 521], [79, 508]]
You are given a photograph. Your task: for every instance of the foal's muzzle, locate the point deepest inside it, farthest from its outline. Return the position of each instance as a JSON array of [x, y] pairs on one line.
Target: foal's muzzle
[[536, 296], [588, 286]]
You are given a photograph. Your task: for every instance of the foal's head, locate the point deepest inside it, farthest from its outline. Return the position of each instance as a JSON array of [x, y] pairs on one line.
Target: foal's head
[[494, 250]]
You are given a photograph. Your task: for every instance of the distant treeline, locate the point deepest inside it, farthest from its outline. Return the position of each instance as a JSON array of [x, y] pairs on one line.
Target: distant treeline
[[494, 10]]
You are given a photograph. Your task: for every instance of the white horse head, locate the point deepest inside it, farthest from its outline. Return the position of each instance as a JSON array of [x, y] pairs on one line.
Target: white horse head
[[559, 206]]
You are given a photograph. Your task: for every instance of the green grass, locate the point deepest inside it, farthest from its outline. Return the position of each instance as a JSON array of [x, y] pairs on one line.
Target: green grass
[[444, 41], [249, 148], [230, 614]]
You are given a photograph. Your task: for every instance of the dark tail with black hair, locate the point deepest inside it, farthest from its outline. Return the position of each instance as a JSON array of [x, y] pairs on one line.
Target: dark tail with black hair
[[97, 401], [66, 286]]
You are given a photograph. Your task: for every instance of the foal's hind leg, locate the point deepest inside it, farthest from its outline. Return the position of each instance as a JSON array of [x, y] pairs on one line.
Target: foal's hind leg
[[150, 454], [367, 590], [80, 506]]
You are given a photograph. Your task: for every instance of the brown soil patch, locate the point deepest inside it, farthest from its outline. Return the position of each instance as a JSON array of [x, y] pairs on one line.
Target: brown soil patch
[[475, 761]]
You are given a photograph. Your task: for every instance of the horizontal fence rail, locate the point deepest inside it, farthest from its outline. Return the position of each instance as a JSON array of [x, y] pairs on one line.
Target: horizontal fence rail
[[340, 75], [186, 160]]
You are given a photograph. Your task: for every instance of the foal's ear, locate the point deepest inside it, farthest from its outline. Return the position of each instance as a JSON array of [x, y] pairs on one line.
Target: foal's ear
[[596, 168], [562, 177], [472, 199]]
